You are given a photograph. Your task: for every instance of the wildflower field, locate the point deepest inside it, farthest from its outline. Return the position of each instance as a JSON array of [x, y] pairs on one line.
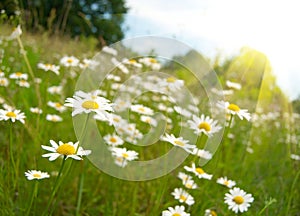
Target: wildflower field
[[238, 154]]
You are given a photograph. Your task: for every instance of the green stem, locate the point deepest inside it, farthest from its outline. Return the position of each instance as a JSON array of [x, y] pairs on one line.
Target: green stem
[[14, 177], [33, 195], [80, 189], [55, 187], [292, 191]]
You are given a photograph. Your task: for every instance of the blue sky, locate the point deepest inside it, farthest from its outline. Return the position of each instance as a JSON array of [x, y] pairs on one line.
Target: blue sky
[[212, 26]]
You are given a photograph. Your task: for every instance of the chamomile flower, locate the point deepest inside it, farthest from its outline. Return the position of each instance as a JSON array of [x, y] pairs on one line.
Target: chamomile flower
[[184, 177], [238, 200], [89, 102], [67, 150], [128, 155], [57, 106], [69, 61], [226, 182], [234, 109], [176, 211], [183, 196], [120, 65], [132, 62], [15, 33], [182, 111], [179, 142], [121, 161], [138, 108], [53, 118], [149, 120], [36, 110], [113, 140], [23, 83], [209, 212], [190, 184], [109, 50], [199, 172], [18, 75], [55, 89], [204, 124], [12, 114], [4, 81], [233, 85], [36, 174], [295, 157], [49, 67], [202, 153], [172, 84]]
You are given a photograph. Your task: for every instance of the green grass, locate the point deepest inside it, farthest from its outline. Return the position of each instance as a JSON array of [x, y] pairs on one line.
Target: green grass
[[267, 173]]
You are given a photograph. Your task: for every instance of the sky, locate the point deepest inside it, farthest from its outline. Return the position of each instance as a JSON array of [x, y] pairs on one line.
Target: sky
[[213, 26]]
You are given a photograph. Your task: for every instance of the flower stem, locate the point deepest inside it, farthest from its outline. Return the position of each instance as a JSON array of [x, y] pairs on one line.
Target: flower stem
[[33, 195], [80, 188], [11, 154]]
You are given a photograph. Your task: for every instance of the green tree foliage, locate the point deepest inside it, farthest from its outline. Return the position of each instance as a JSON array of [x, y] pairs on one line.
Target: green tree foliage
[[100, 18]]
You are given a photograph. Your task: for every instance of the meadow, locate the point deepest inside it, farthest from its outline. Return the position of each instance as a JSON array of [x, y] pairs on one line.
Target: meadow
[[258, 151]]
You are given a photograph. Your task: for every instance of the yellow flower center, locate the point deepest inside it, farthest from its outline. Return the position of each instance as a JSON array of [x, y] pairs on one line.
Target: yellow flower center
[[189, 186], [226, 183], [199, 170], [125, 155], [233, 107], [112, 139], [58, 105], [238, 200], [171, 79], [176, 214], [90, 105], [177, 142], [152, 60], [132, 61], [11, 115], [205, 126], [183, 198], [70, 61], [66, 149], [142, 109], [213, 213], [36, 175], [18, 74]]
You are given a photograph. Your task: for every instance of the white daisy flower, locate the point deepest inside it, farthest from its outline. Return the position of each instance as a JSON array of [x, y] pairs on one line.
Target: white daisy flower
[[16, 33], [132, 62], [224, 181], [190, 184], [53, 118], [171, 83], [67, 150], [110, 50], [209, 212], [49, 67], [23, 83], [182, 111], [113, 140], [57, 106], [12, 114], [55, 89], [184, 177], [179, 142], [295, 157], [4, 81], [18, 75], [204, 124], [149, 120], [150, 62], [36, 110], [202, 153], [233, 85], [120, 65], [35, 174], [199, 172], [234, 109], [88, 63], [238, 200], [121, 161], [128, 155], [138, 108], [69, 61], [176, 211], [89, 102], [183, 196]]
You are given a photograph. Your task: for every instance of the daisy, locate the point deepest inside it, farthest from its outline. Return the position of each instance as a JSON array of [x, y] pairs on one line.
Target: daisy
[[35, 174], [190, 184], [36, 110], [234, 109], [67, 150], [18, 75], [53, 118], [89, 102], [204, 124], [128, 155], [150, 62], [295, 157], [179, 142], [132, 62], [138, 108], [110, 50], [55, 90], [224, 181], [182, 111], [149, 120], [233, 85], [202, 153], [198, 172], [238, 200], [120, 66], [12, 114], [209, 212], [121, 161], [49, 67], [172, 83], [56, 105], [23, 83], [69, 61], [16, 33], [184, 177], [88, 63], [183, 196], [4, 81], [177, 211], [113, 140]]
